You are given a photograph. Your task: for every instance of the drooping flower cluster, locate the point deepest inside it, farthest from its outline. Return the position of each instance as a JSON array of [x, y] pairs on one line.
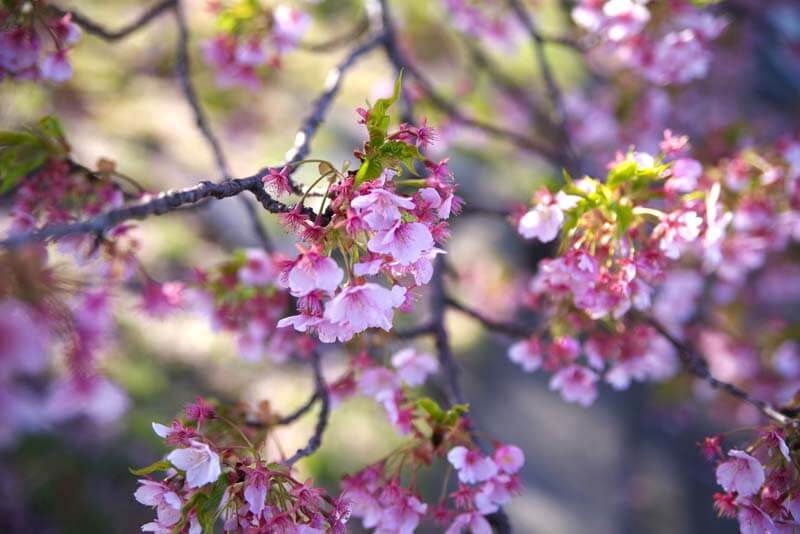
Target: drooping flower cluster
[[251, 39], [666, 43], [383, 226], [34, 43], [760, 483], [213, 471]]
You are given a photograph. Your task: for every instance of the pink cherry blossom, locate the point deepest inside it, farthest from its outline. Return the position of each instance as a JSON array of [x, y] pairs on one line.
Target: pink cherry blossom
[[313, 271], [258, 268], [380, 208], [576, 384], [199, 461], [471, 522], [742, 474], [542, 222], [527, 354], [405, 242], [166, 502], [413, 367], [471, 465], [403, 516], [22, 340], [378, 382], [364, 306], [56, 67], [289, 26], [509, 458]]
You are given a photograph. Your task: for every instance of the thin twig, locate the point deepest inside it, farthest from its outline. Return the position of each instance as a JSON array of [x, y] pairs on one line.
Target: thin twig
[[184, 69], [492, 325], [322, 422], [699, 368], [339, 40], [302, 140], [93, 28], [553, 91], [448, 107]]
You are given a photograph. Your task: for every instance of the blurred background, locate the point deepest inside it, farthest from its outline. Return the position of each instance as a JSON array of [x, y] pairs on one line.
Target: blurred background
[[627, 464]]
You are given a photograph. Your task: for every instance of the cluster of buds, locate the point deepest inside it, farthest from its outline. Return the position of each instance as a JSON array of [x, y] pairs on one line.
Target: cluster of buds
[[251, 39], [666, 45], [382, 225], [26, 28], [214, 471]]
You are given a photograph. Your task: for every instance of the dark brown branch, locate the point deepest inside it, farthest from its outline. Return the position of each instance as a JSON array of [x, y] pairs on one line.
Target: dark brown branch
[[492, 325], [160, 204], [696, 365], [553, 91], [302, 143], [324, 411], [302, 410], [183, 67], [426, 329], [445, 105], [338, 41], [93, 28]]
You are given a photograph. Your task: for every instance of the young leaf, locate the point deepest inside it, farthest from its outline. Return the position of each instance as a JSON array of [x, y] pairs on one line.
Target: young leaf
[[161, 465]]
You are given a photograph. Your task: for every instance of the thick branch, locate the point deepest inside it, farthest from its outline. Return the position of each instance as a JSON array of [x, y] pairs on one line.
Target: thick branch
[[91, 27], [699, 368], [322, 422], [162, 203]]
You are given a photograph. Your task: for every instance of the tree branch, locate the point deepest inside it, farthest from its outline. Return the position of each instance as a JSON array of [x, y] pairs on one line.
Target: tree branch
[[183, 67], [699, 368], [162, 203], [302, 140], [492, 325], [93, 28], [553, 91], [322, 422], [445, 105]]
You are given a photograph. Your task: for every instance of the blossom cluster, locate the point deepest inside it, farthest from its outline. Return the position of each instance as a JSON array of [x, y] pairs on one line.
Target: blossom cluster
[[666, 44], [213, 471], [636, 243], [485, 483], [251, 39], [35, 43], [244, 296], [760, 482], [490, 20], [382, 225]]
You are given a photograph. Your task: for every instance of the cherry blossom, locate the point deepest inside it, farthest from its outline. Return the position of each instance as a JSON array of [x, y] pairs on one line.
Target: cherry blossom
[[742, 474], [199, 461]]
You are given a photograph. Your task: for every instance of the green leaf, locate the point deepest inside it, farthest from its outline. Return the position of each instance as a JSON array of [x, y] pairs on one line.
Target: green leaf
[[369, 170], [207, 510], [622, 173], [161, 465], [377, 118], [431, 407], [624, 217], [452, 415]]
